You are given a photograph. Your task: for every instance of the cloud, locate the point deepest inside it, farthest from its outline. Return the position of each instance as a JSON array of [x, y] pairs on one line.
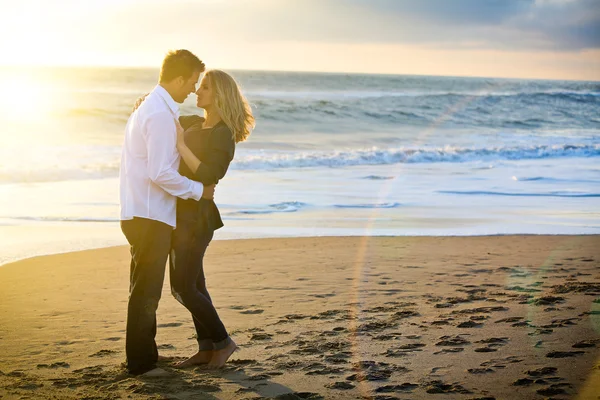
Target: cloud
[[493, 24], [472, 12]]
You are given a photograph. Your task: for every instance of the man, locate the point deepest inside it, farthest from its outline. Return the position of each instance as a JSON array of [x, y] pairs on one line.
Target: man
[[149, 185]]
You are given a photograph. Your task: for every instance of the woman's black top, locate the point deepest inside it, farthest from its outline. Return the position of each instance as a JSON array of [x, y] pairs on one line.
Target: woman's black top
[[215, 149]]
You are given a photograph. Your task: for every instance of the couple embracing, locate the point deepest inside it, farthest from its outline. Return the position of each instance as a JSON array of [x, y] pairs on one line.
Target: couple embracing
[[170, 165]]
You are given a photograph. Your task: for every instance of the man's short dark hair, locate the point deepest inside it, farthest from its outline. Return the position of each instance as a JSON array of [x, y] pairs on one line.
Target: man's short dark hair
[[179, 63]]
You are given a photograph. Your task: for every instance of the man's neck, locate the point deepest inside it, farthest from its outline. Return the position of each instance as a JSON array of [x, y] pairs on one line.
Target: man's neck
[[168, 89]]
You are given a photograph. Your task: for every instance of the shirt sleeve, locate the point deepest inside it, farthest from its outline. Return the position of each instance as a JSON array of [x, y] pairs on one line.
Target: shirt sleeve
[[220, 156], [160, 135]]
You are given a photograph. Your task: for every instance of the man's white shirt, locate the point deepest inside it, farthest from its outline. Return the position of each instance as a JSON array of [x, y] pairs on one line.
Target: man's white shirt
[[149, 177]]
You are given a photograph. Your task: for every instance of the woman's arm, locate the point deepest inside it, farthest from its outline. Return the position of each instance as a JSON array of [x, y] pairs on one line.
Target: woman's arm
[[189, 158], [139, 101], [219, 157]]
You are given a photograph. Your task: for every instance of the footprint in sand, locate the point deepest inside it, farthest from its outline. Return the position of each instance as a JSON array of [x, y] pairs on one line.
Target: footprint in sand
[[412, 346], [485, 349], [403, 314], [403, 388], [564, 354], [435, 387], [259, 311], [501, 362], [469, 324], [28, 386], [335, 359], [523, 382], [390, 336], [54, 365], [326, 371], [542, 371], [170, 325], [65, 342], [259, 377], [340, 385], [586, 343], [557, 388], [113, 339], [103, 353], [380, 309], [547, 300], [480, 370], [261, 336], [404, 350], [376, 326], [89, 370], [493, 342], [452, 341], [329, 333], [294, 317], [323, 295], [450, 350], [370, 376], [561, 323]]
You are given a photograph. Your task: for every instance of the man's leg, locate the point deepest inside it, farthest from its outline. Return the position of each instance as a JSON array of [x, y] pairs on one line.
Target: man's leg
[[150, 242]]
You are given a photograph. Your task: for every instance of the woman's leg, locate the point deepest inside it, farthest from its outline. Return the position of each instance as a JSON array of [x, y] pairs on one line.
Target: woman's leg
[[224, 346], [191, 290], [179, 270], [195, 296]]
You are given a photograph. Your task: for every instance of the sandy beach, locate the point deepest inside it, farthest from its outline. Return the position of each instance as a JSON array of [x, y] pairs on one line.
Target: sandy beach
[[493, 317]]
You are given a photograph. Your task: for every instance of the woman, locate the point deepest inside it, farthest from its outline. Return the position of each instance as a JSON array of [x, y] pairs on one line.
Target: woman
[[207, 146]]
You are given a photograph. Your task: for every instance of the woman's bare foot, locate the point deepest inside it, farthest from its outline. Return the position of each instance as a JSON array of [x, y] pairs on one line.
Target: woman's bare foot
[[201, 357], [220, 357]]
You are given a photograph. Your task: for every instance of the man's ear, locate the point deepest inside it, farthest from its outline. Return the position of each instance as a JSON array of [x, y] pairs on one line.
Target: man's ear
[[180, 81]]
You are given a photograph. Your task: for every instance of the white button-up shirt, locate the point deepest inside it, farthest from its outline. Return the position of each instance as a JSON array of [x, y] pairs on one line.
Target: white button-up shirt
[[149, 180]]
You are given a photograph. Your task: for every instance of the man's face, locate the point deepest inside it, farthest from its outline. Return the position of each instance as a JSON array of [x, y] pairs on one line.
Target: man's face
[[186, 87]]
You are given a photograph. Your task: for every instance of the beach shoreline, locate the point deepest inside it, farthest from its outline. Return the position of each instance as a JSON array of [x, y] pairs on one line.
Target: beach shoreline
[[339, 317]]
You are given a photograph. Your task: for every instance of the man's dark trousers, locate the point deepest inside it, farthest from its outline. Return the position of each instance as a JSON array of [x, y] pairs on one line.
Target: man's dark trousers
[[150, 244]]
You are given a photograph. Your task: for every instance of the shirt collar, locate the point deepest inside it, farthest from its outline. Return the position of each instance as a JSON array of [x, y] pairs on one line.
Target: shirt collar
[[162, 92]]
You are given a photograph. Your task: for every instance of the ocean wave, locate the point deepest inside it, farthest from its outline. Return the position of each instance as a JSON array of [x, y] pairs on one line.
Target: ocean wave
[[377, 177], [374, 205], [258, 97], [549, 179], [519, 194], [284, 207], [273, 160], [419, 155], [53, 174], [63, 219]]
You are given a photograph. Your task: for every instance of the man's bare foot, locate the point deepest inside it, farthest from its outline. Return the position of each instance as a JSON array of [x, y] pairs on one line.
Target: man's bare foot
[[201, 357], [220, 357]]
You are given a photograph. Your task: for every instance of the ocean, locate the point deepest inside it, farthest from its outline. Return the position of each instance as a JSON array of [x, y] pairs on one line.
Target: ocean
[[332, 154]]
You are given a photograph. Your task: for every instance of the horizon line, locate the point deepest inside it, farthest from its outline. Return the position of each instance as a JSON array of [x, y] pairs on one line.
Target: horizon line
[[111, 66]]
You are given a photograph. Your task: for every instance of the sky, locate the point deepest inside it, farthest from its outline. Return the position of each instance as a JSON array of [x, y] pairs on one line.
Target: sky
[[547, 39]]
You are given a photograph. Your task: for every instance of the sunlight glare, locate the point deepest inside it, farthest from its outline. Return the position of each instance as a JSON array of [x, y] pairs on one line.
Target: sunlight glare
[[22, 99]]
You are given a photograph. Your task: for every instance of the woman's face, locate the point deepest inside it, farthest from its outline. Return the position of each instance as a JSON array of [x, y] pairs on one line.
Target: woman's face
[[204, 93]]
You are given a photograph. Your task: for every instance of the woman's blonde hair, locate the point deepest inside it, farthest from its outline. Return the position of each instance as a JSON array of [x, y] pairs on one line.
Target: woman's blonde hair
[[230, 103]]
